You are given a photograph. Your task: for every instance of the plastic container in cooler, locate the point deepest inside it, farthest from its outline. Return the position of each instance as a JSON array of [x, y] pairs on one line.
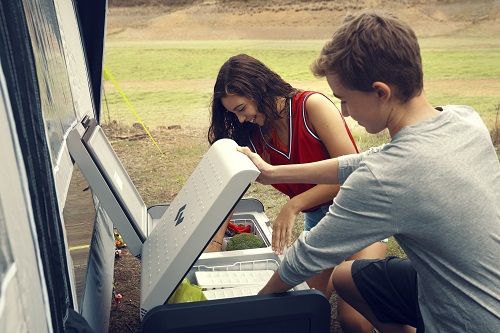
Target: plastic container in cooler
[[238, 308]]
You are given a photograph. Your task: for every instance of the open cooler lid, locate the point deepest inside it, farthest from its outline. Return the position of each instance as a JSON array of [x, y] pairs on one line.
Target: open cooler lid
[[110, 182], [192, 219]]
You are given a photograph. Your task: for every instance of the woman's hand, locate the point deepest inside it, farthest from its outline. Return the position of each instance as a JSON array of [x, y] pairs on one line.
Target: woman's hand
[[264, 167], [282, 228]]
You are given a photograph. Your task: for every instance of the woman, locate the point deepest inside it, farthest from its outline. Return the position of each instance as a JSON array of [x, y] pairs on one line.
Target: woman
[[255, 107]]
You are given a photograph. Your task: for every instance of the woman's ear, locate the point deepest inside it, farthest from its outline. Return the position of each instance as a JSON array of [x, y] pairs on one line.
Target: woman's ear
[[383, 90]]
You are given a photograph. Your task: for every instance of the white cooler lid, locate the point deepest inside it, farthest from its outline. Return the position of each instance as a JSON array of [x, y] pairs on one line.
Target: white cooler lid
[[195, 215]]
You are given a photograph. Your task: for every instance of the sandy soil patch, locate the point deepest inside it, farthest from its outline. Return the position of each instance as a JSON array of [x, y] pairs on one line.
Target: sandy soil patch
[[289, 20]]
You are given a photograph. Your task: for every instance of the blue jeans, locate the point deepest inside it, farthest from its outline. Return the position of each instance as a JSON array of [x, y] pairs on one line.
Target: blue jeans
[[312, 218]]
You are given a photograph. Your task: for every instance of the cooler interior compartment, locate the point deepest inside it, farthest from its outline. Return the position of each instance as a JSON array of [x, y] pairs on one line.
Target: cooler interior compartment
[[233, 305], [235, 273], [250, 212], [255, 228]]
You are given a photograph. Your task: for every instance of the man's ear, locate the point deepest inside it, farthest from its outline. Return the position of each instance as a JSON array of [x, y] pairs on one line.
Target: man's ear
[[383, 91]]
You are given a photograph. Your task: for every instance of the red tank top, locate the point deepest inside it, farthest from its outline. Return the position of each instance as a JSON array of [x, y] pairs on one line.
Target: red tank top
[[304, 145]]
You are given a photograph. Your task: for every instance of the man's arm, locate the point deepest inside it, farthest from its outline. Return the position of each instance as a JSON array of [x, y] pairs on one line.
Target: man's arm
[[321, 172], [275, 285]]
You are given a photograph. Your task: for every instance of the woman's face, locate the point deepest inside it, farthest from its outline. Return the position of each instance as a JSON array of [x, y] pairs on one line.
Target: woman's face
[[245, 109]]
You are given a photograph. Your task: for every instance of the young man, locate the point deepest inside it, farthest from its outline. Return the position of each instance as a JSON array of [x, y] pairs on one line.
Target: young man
[[435, 188]]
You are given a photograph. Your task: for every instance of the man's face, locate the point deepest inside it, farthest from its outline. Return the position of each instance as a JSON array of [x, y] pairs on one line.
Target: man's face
[[359, 105]]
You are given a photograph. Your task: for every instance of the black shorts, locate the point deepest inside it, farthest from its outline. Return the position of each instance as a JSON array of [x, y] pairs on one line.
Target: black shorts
[[389, 287]]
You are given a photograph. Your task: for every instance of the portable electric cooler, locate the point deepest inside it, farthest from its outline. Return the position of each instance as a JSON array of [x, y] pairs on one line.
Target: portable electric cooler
[[170, 238]]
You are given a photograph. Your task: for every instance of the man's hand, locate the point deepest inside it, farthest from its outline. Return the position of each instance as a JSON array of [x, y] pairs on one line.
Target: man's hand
[[275, 285], [320, 172], [264, 167]]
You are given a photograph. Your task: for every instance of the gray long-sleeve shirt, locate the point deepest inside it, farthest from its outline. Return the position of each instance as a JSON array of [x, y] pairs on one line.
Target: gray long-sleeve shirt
[[436, 188]]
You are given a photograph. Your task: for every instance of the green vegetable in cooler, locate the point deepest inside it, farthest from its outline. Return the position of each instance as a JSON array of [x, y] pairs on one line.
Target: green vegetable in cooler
[[244, 241], [187, 292]]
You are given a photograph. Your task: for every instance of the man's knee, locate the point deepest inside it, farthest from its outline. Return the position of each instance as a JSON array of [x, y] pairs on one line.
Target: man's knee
[[342, 278]]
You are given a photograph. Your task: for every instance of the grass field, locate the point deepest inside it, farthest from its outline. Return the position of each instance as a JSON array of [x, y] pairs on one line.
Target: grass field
[[170, 82]]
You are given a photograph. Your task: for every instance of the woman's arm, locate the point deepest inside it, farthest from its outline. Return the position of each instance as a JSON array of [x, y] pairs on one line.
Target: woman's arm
[[326, 123], [329, 125], [284, 222]]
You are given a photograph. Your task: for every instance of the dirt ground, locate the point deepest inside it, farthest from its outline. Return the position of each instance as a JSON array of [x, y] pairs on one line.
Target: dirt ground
[[278, 19]]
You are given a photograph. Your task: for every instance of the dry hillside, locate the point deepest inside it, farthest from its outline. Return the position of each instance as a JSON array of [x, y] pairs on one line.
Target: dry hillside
[[287, 19]]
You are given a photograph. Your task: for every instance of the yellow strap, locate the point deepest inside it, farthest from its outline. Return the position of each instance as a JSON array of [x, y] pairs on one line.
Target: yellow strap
[[108, 75], [79, 247]]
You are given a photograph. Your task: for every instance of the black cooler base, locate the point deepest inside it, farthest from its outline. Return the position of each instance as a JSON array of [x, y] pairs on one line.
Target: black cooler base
[[296, 311]]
